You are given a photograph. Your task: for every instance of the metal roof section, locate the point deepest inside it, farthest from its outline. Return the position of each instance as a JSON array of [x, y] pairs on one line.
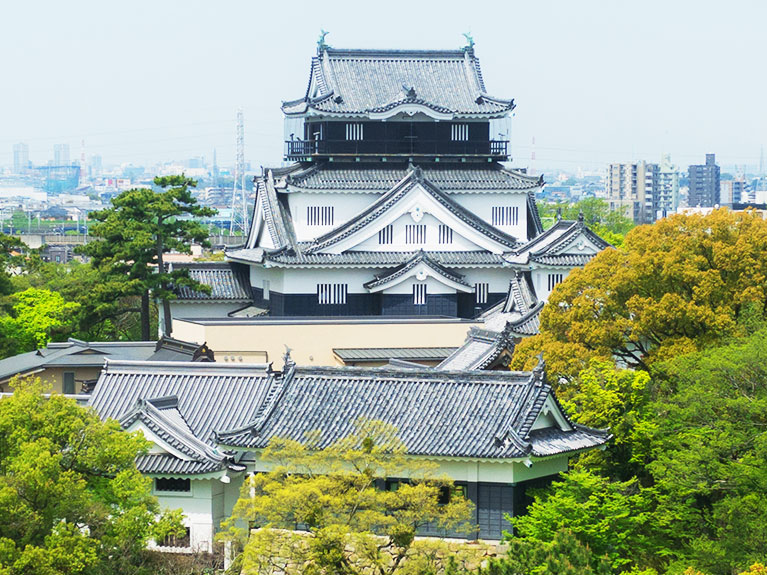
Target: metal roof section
[[469, 414], [229, 282], [420, 266], [386, 202], [377, 83], [370, 354], [376, 178]]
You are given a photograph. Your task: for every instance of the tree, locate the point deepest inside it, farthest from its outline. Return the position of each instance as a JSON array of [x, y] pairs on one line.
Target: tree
[[612, 226], [71, 499], [37, 317], [685, 283], [134, 234], [10, 248], [347, 523]]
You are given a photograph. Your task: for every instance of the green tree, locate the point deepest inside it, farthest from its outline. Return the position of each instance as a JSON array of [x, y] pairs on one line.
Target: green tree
[[71, 499], [610, 225], [37, 317], [10, 257], [134, 235], [349, 524], [685, 283]]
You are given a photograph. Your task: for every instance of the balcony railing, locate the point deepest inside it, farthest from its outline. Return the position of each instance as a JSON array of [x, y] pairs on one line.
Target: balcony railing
[[404, 147]]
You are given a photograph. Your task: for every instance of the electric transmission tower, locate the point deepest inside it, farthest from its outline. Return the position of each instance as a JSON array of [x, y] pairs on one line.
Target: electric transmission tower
[[239, 218]]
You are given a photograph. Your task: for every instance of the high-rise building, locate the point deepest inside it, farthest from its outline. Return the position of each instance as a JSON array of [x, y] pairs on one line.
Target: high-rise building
[[668, 188], [705, 185], [20, 158], [633, 190], [61, 155]]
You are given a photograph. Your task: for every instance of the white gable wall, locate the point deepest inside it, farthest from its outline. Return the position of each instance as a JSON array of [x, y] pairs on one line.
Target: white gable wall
[[399, 237], [345, 207], [482, 206], [540, 277]]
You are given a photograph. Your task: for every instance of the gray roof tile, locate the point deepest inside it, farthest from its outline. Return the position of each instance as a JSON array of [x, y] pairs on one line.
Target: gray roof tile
[[388, 353], [420, 257], [228, 282], [364, 81], [368, 259]]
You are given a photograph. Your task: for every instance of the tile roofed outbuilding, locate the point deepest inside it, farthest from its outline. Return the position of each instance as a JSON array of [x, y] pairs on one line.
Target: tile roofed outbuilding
[[227, 281], [326, 176], [369, 82], [480, 414]]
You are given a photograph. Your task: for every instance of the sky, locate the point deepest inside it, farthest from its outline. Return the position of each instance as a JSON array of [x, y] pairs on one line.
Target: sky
[[145, 81]]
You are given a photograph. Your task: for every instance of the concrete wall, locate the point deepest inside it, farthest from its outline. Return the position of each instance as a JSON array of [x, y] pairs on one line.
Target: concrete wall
[[54, 376]]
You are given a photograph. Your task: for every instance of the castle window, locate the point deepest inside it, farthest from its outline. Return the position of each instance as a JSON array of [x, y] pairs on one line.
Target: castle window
[[505, 216], [480, 290], [69, 382], [459, 132], [172, 484], [354, 131], [266, 289], [555, 279], [445, 234], [419, 294], [332, 294], [386, 235], [320, 215], [415, 234]]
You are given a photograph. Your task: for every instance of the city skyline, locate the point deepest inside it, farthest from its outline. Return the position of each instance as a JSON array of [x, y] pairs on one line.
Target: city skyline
[[594, 83]]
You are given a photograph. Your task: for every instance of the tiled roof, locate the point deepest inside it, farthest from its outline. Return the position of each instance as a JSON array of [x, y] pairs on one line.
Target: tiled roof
[[360, 82], [170, 465], [555, 246], [210, 395], [228, 282], [388, 353], [377, 178], [397, 193], [479, 414], [521, 297], [479, 351], [419, 258], [368, 259]]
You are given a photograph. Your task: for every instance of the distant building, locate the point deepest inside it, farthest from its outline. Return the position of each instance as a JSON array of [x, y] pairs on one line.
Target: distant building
[[20, 158], [633, 189], [61, 155], [705, 186], [667, 189]]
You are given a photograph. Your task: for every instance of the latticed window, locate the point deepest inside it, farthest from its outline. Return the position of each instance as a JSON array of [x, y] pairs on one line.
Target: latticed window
[[332, 294], [354, 131], [480, 290], [419, 294], [555, 279], [459, 132], [505, 215], [445, 234], [415, 234], [386, 235], [320, 215]]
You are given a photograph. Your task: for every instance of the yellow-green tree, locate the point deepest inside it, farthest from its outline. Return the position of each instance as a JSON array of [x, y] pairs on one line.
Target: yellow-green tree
[[326, 510], [677, 286]]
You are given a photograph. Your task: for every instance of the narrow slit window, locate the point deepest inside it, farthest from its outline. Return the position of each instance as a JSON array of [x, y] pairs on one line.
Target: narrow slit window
[[481, 290], [386, 235], [415, 234], [354, 131], [445, 234], [505, 215], [419, 294], [459, 132], [555, 279], [320, 215]]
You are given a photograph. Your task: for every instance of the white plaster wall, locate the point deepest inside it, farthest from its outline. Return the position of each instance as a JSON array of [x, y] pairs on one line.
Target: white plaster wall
[[497, 278], [540, 277], [346, 206], [460, 243], [300, 281], [432, 287], [259, 273], [482, 206], [197, 507]]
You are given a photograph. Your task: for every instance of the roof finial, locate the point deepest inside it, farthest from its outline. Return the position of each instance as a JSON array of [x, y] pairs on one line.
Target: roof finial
[[287, 359], [469, 42], [559, 213], [580, 216], [321, 45]]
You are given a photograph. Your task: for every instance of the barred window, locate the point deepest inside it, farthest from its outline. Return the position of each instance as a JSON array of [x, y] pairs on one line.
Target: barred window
[[386, 235], [459, 132], [555, 279], [415, 234], [320, 215], [419, 294], [354, 131], [266, 290], [445, 234], [480, 290], [332, 294], [172, 484], [505, 215]]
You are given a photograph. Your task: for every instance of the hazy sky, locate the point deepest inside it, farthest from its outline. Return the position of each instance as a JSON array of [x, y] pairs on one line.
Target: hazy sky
[[594, 81]]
